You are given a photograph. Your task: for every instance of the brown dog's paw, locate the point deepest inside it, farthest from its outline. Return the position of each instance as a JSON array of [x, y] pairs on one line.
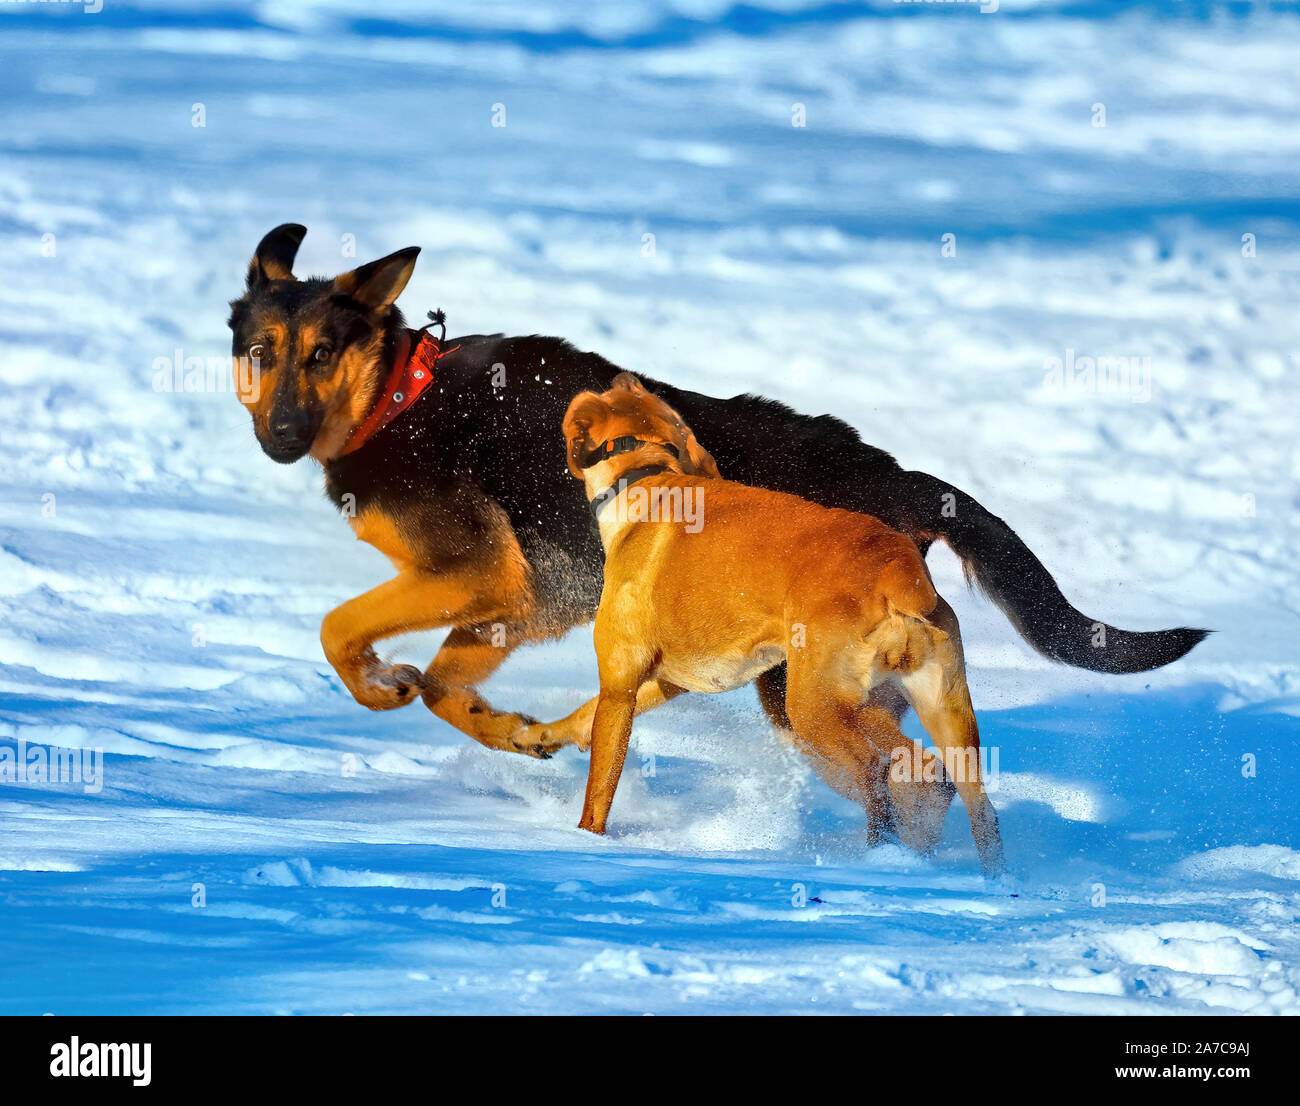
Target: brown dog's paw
[[918, 811], [542, 740]]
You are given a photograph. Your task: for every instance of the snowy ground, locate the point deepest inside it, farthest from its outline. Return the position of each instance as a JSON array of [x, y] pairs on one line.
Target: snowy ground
[[163, 582]]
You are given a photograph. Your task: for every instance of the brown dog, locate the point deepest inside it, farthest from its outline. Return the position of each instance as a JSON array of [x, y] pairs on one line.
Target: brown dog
[[710, 583]]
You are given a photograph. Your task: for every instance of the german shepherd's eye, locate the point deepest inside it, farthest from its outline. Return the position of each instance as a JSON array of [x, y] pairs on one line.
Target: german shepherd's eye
[[322, 355], [257, 351]]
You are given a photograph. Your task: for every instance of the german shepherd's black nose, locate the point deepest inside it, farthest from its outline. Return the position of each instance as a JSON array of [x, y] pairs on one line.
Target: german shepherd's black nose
[[290, 428], [289, 434]]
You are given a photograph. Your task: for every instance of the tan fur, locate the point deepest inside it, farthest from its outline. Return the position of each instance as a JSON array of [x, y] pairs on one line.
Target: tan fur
[[383, 532], [472, 595], [347, 397], [258, 399], [846, 602]]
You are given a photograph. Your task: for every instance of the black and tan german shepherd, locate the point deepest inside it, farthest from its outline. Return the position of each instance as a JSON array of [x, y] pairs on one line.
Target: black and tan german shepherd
[[468, 493]]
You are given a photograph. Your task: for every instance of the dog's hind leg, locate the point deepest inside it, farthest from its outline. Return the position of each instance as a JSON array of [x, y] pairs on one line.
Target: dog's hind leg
[[919, 792], [934, 681], [917, 802], [824, 719]]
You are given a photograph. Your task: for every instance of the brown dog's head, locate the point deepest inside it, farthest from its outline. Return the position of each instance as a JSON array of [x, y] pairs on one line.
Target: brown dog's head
[[314, 345], [628, 410]]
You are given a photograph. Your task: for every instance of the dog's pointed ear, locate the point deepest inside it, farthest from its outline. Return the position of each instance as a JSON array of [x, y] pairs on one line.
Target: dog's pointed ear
[[582, 415], [379, 283], [273, 258], [629, 383]]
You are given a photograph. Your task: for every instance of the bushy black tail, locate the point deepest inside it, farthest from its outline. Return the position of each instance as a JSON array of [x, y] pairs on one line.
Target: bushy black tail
[[1005, 569]]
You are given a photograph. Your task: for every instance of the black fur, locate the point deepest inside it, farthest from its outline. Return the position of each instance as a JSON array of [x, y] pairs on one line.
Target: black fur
[[468, 444]]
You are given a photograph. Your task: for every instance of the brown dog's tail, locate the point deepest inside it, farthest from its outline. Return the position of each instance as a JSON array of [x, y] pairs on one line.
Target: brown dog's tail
[[1006, 570]]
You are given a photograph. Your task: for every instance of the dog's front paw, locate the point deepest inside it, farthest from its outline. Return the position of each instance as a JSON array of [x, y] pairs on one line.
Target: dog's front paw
[[544, 739], [385, 686]]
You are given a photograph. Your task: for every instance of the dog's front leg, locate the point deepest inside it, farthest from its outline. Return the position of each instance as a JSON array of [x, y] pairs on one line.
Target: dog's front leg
[[547, 737], [412, 600], [610, 730], [469, 656]]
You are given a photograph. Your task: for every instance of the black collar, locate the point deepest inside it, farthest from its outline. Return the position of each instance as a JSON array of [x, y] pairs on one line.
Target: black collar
[[602, 499], [614, 446]]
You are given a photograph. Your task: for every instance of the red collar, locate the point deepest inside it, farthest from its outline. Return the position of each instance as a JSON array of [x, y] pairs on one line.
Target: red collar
[[413, 368]]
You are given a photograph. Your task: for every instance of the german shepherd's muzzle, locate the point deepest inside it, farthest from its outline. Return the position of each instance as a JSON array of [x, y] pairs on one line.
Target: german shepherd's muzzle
[[314, 345]]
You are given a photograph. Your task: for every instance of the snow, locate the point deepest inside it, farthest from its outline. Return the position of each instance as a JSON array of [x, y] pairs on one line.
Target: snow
[[163, 582]]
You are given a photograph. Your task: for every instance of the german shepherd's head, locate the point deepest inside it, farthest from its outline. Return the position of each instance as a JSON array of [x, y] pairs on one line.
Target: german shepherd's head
[[319, 347]]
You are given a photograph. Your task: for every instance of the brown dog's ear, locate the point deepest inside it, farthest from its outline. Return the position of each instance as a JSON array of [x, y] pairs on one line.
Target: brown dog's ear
[[695, 459], [273, 258], [583, 413], [629, 383], [379, 283], [699, 458]]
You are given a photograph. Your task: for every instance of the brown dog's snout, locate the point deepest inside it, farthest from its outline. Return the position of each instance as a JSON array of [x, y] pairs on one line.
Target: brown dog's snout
[[585, 410]]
